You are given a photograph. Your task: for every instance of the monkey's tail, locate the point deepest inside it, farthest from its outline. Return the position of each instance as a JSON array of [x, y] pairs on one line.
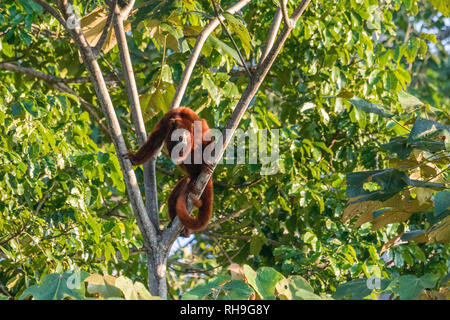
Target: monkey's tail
[[204, 211]]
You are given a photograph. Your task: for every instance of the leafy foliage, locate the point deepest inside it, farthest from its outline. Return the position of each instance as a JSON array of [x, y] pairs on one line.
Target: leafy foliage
[[360, 94], [72, 285]]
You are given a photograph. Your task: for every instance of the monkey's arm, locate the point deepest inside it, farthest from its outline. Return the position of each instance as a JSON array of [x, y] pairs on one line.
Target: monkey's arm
[[153, 143]]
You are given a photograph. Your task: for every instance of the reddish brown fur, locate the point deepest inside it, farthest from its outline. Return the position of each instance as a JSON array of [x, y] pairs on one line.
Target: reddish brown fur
[[175, 119]]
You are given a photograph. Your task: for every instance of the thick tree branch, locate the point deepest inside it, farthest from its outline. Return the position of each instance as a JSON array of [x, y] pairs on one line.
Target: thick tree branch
[[272, 33], [284, 10], [145, 225], [150, 186]]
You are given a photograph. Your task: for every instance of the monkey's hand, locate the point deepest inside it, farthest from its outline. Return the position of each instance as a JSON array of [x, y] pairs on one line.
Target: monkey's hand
[[197, 202], [130, 156]]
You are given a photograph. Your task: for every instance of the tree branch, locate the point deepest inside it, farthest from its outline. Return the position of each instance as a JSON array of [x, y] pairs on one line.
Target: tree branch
[[201, 39], [150, 186], [272, 33], [224, 27], [284, 10], [47, 7], [239, 186], [146, 227], [105, 31], [190, 268], [226, 218], [241, 237], [230, 261]]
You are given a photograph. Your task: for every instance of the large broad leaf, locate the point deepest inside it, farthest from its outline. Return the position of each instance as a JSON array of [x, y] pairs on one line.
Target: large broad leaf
[[295, 288], [211, 289], [427, 135], [415, 235], [411, 286], [238, 27], [93, 24], [133, 291], [157, 100], [359, 288], [57, 286], [103, 285], [442, 204], [263, 281], [440, 233], [237, 290], [398, 145], [222, 47], [356, 289], [408, 101], [390, 181], [369, 107]]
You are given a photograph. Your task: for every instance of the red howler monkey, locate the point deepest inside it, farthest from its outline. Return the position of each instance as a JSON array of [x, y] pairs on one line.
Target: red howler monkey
[[181, 118]]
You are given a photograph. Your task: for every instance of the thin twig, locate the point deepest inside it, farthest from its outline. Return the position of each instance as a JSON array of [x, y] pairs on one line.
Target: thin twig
[[45, 198], [105, 31], [242, 237], [58, 83], [239, 186], [224, 27], [47, 7], [201, 39], [230, 261], [226, 218], [189, 267]]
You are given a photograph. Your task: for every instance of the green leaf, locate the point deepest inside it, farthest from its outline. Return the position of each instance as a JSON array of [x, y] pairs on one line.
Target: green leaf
[[237, 290], [57, 286], [302, 294], [263, 281], [425, 135], [223, 48], [211, 87], [411, 286], [429, 36], [443, 6], [356, 289], [391, 181], [295, 288], [398, 145], [407, 100], [256, 243], [369, 107], [133, 291], [442, 204], [103, 285], [238, 27], [208, 290]]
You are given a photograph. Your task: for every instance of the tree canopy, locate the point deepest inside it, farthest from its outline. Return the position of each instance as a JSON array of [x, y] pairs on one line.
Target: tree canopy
[[359, 95]]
